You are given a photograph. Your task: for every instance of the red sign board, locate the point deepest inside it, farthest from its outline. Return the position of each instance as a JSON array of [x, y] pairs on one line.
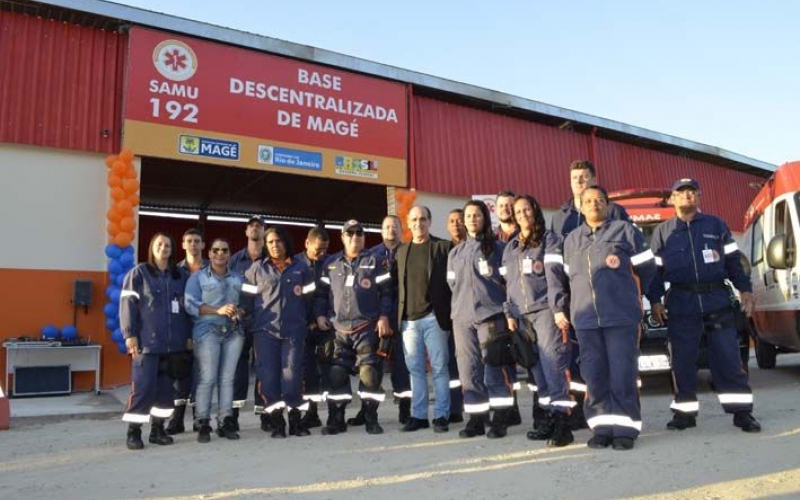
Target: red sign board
[[195, 100]]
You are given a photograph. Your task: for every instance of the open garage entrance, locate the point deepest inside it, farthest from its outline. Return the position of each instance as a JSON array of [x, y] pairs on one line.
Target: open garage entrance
[[218, 200]]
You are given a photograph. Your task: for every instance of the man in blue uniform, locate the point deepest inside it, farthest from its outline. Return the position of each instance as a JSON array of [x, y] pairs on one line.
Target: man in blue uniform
[[314, 377], [359, 293], [607, 261], [582, 174], [696, 253], [240, 263]]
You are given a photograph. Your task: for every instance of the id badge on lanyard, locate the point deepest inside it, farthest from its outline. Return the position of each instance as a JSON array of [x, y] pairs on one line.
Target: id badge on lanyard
[[527, 265], [483, 267]]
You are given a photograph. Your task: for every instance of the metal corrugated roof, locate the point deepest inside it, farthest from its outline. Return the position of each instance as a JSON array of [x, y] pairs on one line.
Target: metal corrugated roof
[[275, 46]]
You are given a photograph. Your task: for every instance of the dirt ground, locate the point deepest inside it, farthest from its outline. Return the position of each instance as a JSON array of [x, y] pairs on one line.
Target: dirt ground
[[86, 459]]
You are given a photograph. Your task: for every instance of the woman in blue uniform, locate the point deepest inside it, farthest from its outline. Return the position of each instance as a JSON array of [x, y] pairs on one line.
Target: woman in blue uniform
[[156, 328]]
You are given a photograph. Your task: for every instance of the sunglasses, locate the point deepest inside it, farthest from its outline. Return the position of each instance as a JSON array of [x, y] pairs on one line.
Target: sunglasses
[[220, 250], [354, 233]]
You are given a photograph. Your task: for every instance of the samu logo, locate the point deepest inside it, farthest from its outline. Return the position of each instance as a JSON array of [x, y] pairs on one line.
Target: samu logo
[[175, 60]]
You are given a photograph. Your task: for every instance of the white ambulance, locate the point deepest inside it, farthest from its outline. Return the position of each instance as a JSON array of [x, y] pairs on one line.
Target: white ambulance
[[772, 225]]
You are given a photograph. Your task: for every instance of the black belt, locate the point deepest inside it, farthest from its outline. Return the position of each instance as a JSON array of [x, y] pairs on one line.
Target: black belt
[[698, 287]]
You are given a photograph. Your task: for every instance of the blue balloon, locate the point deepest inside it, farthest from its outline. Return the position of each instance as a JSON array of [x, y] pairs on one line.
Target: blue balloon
[[129, 249], [110, 288], [113, 251], [114, 267], [122, 348], [115, 295], [69, 332], [112, 323], [119, 280], [126, 259], [117, 336], [111, 310], [50, 332]]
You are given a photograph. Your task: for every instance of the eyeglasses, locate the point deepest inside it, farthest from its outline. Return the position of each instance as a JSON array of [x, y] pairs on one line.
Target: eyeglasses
[[353, 234], [220, 250]]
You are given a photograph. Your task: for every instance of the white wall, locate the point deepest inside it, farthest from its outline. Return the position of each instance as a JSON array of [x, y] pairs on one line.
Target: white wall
[[53, 207]]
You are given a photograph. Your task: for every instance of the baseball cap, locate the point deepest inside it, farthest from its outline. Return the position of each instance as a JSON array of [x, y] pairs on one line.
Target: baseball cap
[[352, 225], [686, 183], [255, 218]]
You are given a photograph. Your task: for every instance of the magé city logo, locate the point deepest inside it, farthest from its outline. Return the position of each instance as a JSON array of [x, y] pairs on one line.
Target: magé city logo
[[175, 60]]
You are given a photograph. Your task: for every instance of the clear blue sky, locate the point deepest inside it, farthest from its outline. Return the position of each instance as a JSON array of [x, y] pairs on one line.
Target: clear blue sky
[[724, 73]]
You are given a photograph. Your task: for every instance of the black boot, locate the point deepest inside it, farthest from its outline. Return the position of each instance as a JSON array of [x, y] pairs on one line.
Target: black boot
[[359, 418], [175, 425], [336, 423], [544, 429], [203, 430], [266, 423], [157, 433], [681, 421], [134, 440], [512, 416], [311, 418], [562, 435], [371, 417], [745, 421], [539, 414], [296, 425], [195, 423], [278, 423], [476, 426], [228, 429], [498, 426], [235, 419], [577, 420], [404, 411]]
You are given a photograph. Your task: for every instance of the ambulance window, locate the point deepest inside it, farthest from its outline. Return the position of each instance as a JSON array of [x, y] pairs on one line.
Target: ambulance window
[[757, 252], [780, 218]]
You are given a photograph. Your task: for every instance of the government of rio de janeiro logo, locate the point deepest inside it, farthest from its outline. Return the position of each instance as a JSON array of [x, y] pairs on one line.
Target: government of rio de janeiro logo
[[175, 60]]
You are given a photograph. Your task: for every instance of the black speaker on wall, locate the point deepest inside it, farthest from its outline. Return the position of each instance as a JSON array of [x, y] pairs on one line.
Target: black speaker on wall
[[82, 293], [42, 380]]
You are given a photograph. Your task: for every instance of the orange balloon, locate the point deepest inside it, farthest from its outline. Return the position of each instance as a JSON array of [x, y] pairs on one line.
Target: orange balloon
[[127, 224], [124, 207], [119, 167], [113, 228], [110, 159], [123, 239], [130, 173], [130, 186], [134, 200], [126, 155], [114, 180], [113, 215], [117, 194]]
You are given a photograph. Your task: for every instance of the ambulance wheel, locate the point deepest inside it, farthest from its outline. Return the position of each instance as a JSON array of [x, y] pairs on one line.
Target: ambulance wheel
[[765, 355]]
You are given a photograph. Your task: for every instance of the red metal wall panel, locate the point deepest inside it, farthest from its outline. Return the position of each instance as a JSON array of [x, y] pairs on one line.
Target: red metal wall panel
[[726, 192], [60, 84], [460, 151]]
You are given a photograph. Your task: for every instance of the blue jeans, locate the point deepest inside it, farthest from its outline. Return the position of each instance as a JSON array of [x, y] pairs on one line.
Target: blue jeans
[[216, 355], [418, 336]]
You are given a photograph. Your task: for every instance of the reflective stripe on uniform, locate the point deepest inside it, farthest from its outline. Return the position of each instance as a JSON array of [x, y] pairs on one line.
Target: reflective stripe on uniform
[[338, 397], [258, 409], [735, 398], [455, 384], [730, 248], [686, 407], [642, 257], [248, 288], [566, 268], [375, 396], [577, 387], [619, 420], [309, 288], [476, 408], [238, 404], [280, 405], [564, 404], [544, 401], [303, 407], [402, 395], [325, 280], [161, 412], [659, 261], [135, 418], [500, 402], [317, 398], [128, 293], [553, 258], [532, 387], [503, 270], [180, 402], [382, 278], [517, 386]]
